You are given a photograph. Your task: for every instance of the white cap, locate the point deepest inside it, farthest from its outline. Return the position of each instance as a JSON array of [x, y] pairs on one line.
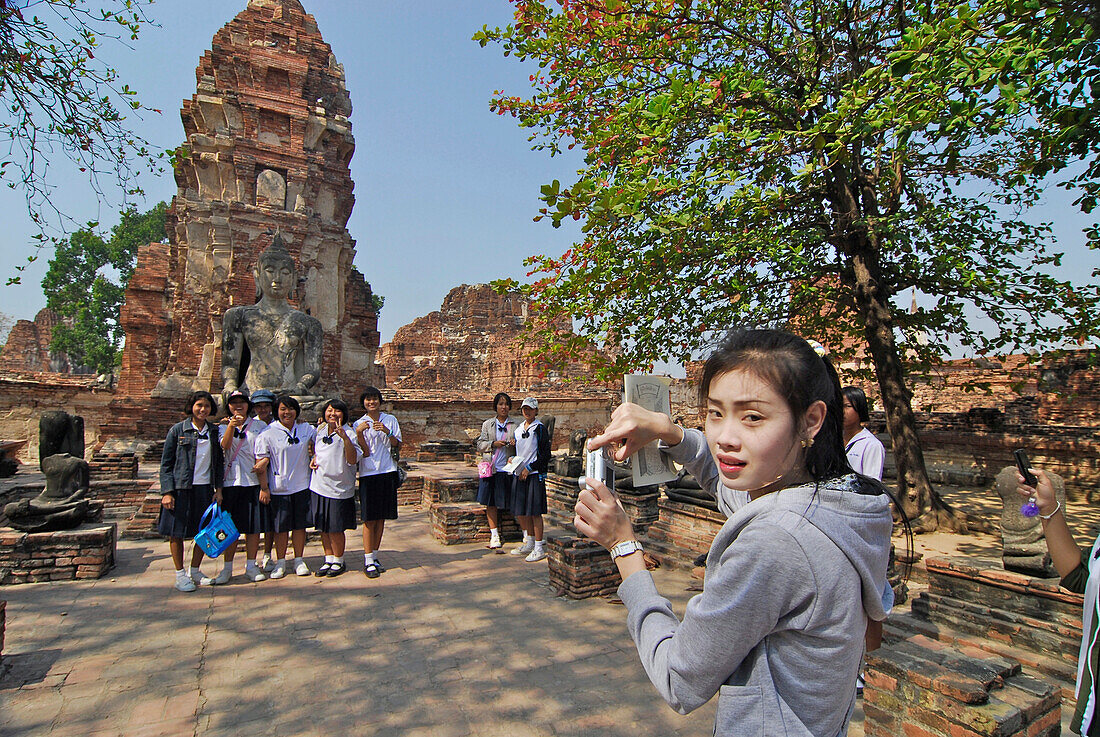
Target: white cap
[[530, 402]]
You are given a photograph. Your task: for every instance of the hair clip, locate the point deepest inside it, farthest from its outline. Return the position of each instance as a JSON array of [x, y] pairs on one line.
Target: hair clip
[[818, 348]]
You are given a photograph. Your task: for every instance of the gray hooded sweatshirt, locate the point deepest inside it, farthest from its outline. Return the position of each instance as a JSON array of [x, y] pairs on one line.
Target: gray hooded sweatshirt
[[791, 580]]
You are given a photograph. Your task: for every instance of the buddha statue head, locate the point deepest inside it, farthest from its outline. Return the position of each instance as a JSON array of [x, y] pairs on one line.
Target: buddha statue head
[[275, 272]]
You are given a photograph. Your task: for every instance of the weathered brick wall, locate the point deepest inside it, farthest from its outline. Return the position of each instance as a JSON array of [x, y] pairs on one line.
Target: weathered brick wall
[[24, 400], [1051, 408], [428, 416], [465, 522]]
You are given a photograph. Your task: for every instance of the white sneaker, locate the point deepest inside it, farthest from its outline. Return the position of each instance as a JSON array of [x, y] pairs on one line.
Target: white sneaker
[[302, 569], [279, 570], [253, 573], [184, 582], [495, 543], [527, 546], [536, 555], [223, 576], [267, 564], [197, 577]]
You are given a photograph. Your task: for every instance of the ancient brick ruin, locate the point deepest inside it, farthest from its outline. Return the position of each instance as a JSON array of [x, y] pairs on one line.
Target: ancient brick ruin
[[268, 148], [27, 350]]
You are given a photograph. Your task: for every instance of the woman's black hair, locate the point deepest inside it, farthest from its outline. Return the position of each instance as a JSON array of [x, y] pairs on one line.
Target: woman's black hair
[[291, 402], [798, 374], [858, 400], [338, 405], [500, 396], [196, 396], [370, 391]]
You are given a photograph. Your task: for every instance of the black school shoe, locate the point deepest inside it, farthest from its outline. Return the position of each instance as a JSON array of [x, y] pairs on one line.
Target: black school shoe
[[372, 570], [323, 570], [336, 569]]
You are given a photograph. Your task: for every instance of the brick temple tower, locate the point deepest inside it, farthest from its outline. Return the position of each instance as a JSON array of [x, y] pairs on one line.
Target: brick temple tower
[[268, 148]]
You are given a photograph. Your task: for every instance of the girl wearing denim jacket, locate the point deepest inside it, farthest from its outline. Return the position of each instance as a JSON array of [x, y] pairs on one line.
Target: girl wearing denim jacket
[[191, 472]]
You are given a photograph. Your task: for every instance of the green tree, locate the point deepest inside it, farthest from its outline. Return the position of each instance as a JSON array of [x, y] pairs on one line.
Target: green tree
[[86, 281], [56, 98], [745, 163]]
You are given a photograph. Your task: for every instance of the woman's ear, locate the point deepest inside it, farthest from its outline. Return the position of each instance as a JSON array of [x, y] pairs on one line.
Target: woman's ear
[[813, 419]]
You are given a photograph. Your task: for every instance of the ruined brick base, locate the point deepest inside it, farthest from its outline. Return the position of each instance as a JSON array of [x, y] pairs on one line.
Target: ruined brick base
[[411, 492], [580, 568], [923, 688], [449, 491], [976, 603], [3, 626], [453, 524], [86, 552]]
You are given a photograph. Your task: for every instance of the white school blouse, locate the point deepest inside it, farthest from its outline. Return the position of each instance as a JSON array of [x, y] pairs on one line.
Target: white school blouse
[[201, 475], [866, 454], [334, 477], [288, 450], [241, 456], [376, 456]]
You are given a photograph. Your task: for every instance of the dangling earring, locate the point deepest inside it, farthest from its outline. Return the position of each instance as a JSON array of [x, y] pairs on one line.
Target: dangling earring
[[808, 443]]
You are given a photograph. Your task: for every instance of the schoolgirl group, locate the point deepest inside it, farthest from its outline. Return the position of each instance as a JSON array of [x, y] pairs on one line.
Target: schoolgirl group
[[278, 476]]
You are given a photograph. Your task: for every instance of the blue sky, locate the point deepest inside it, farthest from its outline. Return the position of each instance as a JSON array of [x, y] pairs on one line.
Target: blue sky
[[445, 189]]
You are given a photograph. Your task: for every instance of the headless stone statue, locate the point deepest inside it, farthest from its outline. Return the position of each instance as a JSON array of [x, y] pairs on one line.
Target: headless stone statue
[[284, 344], [1025, 547], [60, 432], [62, 505]]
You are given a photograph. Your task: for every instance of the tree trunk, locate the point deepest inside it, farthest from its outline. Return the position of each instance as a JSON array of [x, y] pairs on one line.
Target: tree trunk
[[925, 508]]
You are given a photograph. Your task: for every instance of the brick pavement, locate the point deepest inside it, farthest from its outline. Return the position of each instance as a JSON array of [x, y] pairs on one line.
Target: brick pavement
[[449, 641]]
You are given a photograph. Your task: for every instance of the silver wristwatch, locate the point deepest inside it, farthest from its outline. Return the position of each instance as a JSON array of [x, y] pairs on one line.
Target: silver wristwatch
[[625, 548]]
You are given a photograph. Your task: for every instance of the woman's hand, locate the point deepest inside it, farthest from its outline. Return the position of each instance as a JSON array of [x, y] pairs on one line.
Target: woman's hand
[[313, 464], [218, 496], [635, 428], [523, 473], [601, 517], [1043, 491], [265, 496], [168, 501]]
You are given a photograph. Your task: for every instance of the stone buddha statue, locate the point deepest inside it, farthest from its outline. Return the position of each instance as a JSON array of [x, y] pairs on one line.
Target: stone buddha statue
[[284, 344]]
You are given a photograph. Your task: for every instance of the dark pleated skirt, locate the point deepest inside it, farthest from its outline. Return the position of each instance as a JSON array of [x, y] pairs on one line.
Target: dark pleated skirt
[[290, 512], [183, 521], [495, 491], [249, 515], [528, 496], [378, 496], [331, 515]]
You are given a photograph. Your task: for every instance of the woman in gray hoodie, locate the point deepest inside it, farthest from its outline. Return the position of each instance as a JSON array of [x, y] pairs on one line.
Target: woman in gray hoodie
[[797, 571]]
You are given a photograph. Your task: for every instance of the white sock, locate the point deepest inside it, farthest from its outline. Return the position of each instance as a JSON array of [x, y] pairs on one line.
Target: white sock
[[370, 557], [228, 566], [526, 537], [538, 544], [191, 570], [251, 565], [297, 561], [338, 560], [330, 559], [494, 534], [182, 572]]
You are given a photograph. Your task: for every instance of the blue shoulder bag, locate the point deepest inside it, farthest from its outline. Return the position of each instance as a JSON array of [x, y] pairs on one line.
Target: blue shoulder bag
[[216, 534]]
